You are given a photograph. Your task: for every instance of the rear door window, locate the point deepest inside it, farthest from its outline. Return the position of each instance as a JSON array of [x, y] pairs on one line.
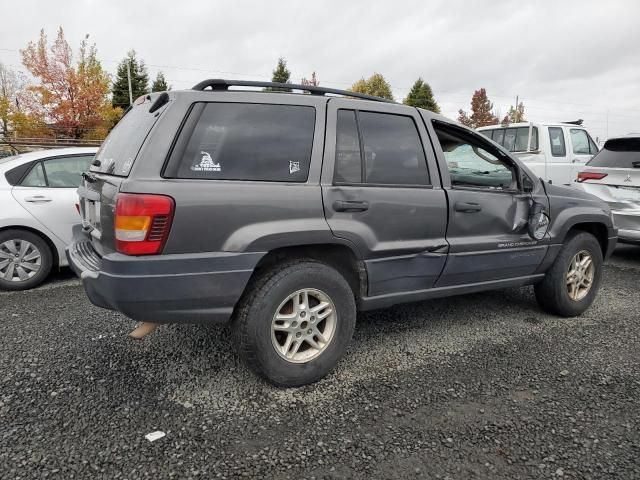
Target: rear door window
[[120, 148], [556, 138], [348, 168], [393, 151], [35, 178], [242, 141], [66, 172]]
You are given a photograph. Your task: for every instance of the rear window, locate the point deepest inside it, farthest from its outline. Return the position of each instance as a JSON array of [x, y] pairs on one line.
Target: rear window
[[514, 139], [119, 150], [246, 141], [618, 153]]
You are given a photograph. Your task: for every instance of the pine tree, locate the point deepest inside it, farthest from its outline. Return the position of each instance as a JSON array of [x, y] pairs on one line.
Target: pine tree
[[160, 83], [280, 75], [375, 85], [139, 80], [421, 96], [481, 111]]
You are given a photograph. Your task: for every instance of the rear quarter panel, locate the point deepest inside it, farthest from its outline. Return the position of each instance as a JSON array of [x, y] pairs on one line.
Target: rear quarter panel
[[232, 215]]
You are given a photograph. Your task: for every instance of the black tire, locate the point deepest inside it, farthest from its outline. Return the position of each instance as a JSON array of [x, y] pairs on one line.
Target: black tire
[[552, 293], [253, 321], [46, 259]]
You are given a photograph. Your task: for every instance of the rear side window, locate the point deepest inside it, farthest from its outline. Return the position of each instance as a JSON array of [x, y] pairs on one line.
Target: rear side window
[[348, 167], [242, 141], [66, 172], [618, 153], [556, 138], [392, 150], [119, 150], [35, 178]]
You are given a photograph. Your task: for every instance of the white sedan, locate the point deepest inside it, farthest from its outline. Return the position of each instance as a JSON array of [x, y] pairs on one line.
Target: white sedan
[[37, 210]]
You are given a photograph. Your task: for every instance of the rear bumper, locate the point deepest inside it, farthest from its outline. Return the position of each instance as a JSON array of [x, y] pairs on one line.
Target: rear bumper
[[176, 288], [628, 223]]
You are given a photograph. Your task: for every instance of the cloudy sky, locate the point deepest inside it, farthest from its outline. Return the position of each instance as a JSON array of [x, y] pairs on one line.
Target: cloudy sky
[[565, 59]]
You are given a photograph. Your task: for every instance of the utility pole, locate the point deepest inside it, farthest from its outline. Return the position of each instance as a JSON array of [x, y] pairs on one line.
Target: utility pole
[[129, 79]]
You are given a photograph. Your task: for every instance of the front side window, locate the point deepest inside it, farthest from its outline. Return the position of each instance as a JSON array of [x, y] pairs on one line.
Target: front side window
[[593, 148], [66, 172], [580, 142], [241, 141], [392, 149], [471, 163], [556, 138]]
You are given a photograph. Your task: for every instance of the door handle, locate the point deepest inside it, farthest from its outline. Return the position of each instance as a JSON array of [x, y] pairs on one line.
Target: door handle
[[467, 207], [350, 206], [37, 199]]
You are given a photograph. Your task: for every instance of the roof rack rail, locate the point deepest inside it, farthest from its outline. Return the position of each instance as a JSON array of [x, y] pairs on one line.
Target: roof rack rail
[[218, 84]]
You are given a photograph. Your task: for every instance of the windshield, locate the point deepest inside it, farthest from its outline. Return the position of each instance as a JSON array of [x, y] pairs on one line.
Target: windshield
[[618, 153], [119, 150]]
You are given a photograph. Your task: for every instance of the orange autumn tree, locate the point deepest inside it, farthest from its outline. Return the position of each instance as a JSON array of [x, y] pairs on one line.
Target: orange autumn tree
[[73, 96]]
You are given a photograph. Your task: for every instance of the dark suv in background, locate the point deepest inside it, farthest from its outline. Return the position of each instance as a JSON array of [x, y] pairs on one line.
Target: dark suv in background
[[286, 213]]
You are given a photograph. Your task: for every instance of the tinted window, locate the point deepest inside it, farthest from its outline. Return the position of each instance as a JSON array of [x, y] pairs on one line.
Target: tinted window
[[348, 168], [121, 147], [471, 163], [392, 148], [35, 178], [618, 153], [556, 138], [66, 171], [240, 141], [580, 142], [487, 133]]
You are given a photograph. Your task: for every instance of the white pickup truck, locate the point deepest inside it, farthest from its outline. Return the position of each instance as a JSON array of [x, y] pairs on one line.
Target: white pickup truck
[[556, 152]]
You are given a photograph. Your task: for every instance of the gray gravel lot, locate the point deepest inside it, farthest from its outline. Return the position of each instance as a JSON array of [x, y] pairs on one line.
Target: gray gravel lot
[[481, 386]]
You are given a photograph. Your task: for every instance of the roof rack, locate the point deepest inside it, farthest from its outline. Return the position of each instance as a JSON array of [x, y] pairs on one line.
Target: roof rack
[[218, 84]]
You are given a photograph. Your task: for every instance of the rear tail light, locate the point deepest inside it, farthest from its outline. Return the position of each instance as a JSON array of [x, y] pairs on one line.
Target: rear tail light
[[142, 223], [582, 176]]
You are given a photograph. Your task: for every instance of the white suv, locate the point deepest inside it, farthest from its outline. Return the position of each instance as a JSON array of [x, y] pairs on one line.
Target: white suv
[[38, 198], [556, 152]]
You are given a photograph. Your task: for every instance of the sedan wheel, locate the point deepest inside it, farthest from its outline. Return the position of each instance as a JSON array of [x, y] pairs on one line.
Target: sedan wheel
[[20, 260]]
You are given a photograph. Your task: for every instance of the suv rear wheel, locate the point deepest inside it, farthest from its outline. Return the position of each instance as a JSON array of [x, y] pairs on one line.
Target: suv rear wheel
[[572, 282], [25, 260], [295, 322]]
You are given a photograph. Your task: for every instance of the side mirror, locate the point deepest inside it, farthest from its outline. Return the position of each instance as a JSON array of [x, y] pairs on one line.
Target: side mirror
[[527, 184], [538, 222]]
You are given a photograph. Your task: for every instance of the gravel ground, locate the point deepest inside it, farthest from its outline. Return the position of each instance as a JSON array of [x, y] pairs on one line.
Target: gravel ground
[[481, 386]]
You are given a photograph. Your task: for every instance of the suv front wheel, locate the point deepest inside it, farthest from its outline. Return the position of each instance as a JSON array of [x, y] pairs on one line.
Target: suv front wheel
[[571, 284], [295, 322]]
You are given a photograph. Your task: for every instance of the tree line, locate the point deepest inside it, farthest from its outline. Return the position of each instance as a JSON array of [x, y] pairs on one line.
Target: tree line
[[73, 96]]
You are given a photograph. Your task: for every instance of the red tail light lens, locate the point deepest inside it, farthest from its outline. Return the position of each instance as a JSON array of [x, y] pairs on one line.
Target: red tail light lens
[[142, 223], [582, 176]]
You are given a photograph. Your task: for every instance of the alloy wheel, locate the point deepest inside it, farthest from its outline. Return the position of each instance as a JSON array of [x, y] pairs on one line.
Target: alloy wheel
[[303, 325], [580, 275], [20, 260]]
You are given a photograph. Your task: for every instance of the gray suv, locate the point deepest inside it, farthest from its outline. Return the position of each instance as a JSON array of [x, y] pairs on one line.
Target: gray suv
[[287, 213]]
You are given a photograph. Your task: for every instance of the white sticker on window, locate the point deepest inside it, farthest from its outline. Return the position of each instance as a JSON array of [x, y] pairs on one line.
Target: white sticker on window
[[293, 167], [206, 164]]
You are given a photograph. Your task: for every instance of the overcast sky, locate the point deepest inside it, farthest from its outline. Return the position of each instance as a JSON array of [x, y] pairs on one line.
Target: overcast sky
[[565, 59]]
